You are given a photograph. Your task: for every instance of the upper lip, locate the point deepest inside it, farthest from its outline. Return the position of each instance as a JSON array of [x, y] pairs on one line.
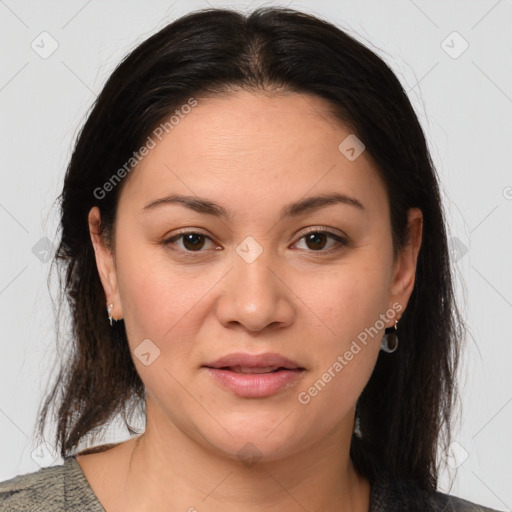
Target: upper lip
[[246, 360]]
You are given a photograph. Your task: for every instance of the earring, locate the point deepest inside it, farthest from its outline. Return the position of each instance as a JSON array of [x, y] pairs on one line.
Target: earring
[[390, 340], [357, 427], [357, 422], [109, 309]]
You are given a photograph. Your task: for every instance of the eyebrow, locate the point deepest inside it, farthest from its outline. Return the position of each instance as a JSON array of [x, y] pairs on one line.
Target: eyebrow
[[205, 206]]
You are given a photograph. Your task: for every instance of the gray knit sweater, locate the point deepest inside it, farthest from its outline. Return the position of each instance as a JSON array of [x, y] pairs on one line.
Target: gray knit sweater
[[64, 488]]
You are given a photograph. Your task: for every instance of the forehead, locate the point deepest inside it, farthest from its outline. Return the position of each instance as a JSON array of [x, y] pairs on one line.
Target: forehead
[[246, 147]]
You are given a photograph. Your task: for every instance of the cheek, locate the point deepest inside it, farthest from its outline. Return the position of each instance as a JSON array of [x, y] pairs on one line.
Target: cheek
[[143, 295], [154, 298], [350, 304], [157, 306], [343, 361], [352, 299]]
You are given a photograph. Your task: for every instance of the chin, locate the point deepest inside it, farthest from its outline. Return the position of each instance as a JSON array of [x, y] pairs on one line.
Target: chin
[[253, 439]]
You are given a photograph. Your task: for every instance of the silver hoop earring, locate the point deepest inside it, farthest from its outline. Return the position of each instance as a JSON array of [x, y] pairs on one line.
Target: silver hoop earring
[[390, 339]]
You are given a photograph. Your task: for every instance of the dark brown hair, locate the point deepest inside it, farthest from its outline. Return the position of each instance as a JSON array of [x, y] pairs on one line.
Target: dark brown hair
[[407, 405]]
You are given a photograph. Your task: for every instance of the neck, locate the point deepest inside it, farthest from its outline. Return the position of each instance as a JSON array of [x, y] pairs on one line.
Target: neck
[[168, 469]]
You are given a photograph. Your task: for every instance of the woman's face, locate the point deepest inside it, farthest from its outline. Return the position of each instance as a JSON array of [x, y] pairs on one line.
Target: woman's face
[[250, 280]]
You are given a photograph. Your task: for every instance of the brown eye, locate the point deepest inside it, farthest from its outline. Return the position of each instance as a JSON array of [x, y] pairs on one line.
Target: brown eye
[[190, 242], [317, 240], [193, 241]]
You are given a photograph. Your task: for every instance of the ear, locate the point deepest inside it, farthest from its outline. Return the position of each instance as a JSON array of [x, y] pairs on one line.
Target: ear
[[105, 263], [405, 267]]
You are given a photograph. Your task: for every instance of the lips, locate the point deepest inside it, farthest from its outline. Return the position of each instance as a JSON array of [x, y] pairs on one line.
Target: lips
[[246, 369], [241, 362], [255, 375]]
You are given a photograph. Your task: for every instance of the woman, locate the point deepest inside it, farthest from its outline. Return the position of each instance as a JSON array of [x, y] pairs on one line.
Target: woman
[[253, 202]]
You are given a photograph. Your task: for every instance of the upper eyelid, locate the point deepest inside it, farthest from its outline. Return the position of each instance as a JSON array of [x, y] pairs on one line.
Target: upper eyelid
[[304, 231]]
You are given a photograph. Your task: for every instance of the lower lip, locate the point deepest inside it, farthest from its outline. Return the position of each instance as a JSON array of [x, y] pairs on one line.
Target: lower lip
[[256, 385]]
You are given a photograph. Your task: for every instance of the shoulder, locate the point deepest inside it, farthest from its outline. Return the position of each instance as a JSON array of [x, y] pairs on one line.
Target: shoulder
[[404, 495], [449, 503], [52, 489], [32, 491]]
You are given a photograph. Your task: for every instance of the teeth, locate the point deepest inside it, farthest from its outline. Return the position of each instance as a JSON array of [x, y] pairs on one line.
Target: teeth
[[244, 369]]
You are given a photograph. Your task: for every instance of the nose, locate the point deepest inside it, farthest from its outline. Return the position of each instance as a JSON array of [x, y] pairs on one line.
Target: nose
[[254, 295]]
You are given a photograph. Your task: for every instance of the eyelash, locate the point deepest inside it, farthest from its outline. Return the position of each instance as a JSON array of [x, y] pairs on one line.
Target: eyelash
[[341, 242]]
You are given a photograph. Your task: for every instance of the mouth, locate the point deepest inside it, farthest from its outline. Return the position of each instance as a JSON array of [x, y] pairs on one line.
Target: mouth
[[254, 369], [242, 362], [255, 376], [255, 384]]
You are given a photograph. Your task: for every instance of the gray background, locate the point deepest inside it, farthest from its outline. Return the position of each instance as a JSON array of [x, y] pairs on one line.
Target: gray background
[[463, 100]]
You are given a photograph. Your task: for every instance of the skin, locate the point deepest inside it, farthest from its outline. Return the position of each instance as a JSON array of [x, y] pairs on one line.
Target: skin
[[251, 154]]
